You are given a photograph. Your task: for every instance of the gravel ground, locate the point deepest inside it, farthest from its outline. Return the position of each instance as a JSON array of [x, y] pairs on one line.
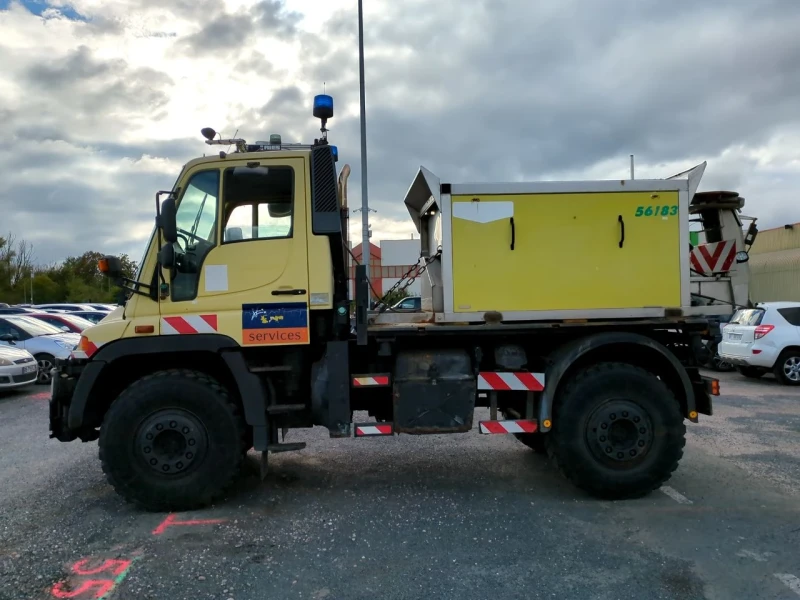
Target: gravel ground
[[460, 516]]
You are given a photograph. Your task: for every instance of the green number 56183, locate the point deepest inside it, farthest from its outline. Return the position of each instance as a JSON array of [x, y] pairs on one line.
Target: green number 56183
[[656, 211]]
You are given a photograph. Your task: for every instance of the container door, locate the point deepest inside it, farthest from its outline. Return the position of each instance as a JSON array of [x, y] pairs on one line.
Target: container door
[[578, 251]]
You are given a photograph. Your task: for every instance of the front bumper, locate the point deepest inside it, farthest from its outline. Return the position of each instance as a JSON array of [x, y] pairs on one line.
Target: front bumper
[[15, 377], [62, 389]]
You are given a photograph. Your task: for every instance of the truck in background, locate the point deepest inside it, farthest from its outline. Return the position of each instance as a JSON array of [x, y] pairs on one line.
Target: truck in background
[[567, 309]]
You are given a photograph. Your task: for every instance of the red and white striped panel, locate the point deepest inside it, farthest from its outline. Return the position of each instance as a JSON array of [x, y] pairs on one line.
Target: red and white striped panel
[[368, 429], [188, 324], [518, 426], [370, 380], [717, 257], [517, 382]]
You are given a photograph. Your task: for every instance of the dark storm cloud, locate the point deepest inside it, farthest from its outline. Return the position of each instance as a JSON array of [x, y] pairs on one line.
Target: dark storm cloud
[[229, 33], [89, 86], [508, 90]]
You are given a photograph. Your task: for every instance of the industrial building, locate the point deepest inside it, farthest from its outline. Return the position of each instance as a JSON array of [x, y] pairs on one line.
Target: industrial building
[[775, 264], [388, 262]]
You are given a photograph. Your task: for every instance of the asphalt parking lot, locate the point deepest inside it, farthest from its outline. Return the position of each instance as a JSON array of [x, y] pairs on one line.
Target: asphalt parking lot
[[467, 517]]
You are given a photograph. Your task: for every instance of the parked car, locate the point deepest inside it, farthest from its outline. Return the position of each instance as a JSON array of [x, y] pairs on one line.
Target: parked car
[[764, 338], [408, 304], [103, 307], [15, 310], [17, 368], [95, 316], [64, 321], [65, 307], [41, 339]]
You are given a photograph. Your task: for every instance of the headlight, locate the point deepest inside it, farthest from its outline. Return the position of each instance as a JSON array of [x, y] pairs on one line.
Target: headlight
[[5, 363], [65, 345]]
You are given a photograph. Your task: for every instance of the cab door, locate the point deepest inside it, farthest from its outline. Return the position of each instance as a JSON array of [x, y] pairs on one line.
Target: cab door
[[248, 278]]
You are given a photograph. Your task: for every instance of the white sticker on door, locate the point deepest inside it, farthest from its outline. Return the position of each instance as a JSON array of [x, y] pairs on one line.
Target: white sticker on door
[[216, 278]]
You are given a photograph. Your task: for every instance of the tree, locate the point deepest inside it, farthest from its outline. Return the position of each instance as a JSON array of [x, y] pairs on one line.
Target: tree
[[76, 279]]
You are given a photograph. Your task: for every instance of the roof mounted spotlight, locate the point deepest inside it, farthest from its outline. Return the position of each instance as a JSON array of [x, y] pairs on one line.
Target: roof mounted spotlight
[[209, 134], [323, 110]]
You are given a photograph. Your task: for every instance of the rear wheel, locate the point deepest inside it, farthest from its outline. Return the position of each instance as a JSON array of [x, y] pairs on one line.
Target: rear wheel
[[787, 367], [751, 372], [618, 431], [172, 441]]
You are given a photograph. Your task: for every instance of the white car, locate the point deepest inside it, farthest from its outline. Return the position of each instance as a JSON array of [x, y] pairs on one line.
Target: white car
[[764, 338], [41, 339], [17, 368]]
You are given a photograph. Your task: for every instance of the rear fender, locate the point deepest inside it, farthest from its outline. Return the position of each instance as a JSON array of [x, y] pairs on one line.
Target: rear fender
[[578, 353]]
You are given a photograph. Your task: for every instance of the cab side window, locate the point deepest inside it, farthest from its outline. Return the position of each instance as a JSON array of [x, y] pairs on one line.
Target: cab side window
[[196, 219], [258, 203]]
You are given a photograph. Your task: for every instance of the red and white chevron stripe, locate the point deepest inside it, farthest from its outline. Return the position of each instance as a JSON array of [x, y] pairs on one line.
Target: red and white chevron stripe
[[373, 429], [188, 324], [516, 426], [370, 380], [504, 382], [717, 257]]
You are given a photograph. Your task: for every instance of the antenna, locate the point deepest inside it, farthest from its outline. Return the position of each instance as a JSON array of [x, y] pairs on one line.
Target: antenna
[[234, 136]]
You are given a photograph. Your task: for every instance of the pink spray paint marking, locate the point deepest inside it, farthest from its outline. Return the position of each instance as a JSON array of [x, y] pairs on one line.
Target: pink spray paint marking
[[171, 521], [93, 588]]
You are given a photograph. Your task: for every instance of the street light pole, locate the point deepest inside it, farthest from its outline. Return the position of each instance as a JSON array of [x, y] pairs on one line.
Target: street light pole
[[365, 253]]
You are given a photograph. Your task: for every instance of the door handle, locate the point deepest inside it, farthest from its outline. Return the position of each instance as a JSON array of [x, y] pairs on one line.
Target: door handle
[[513, 232], [296, 292], [621, 230]]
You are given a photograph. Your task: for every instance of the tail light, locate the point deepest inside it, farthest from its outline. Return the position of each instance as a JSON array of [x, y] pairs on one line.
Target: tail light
[[763, 330]]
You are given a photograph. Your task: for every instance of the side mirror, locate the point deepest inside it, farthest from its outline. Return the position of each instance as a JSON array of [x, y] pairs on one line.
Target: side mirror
[[9, 337], [166, 221], [166, 256], [110, 266], [742, 257]]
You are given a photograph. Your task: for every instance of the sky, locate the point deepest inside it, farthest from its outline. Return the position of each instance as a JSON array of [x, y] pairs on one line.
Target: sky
[[102, 101]]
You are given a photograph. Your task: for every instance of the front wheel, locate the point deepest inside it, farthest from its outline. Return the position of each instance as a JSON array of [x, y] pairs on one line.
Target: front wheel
[[172, 440], [45, 364], [618, 431]]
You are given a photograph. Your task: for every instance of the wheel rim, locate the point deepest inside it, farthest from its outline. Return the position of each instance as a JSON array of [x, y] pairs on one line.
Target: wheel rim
[[170, 441], [791, 368], [44, 365], [619, 431]]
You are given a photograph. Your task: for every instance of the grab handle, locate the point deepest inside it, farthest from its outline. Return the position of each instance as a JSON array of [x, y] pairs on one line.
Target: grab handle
[[513, 232], [621, 230]]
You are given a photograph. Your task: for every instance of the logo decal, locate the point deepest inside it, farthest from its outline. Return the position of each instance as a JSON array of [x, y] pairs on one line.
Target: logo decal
[[279, 323]]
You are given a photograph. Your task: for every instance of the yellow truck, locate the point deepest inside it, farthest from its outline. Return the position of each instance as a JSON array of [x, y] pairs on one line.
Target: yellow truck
[[564, 310]]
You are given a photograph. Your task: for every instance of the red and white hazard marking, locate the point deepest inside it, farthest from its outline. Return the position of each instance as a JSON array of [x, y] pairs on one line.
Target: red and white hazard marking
[[189, 324], [717, 257], [518, 382], [370, 380], [376, 429], [516, 426]]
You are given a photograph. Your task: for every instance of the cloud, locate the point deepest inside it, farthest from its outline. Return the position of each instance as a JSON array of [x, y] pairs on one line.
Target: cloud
[[102, 111]]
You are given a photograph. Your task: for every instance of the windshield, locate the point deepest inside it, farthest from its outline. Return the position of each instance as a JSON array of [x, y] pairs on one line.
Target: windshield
[[33, 326], [748, 316]]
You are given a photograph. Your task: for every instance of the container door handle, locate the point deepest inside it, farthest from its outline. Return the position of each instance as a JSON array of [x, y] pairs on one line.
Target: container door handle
[[513, 232], [621, 230]]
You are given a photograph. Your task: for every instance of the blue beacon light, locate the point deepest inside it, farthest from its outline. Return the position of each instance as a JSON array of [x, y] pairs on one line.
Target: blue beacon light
[[323, 107]]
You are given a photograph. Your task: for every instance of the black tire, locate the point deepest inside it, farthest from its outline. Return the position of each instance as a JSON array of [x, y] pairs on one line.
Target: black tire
[[751, 372], [787, 367], [202, 436], [622, 401], [44, 364], [534, 441]]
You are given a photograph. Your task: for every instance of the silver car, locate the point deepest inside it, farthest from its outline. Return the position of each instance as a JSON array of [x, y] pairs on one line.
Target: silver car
[[41, 339], [17, 368]]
